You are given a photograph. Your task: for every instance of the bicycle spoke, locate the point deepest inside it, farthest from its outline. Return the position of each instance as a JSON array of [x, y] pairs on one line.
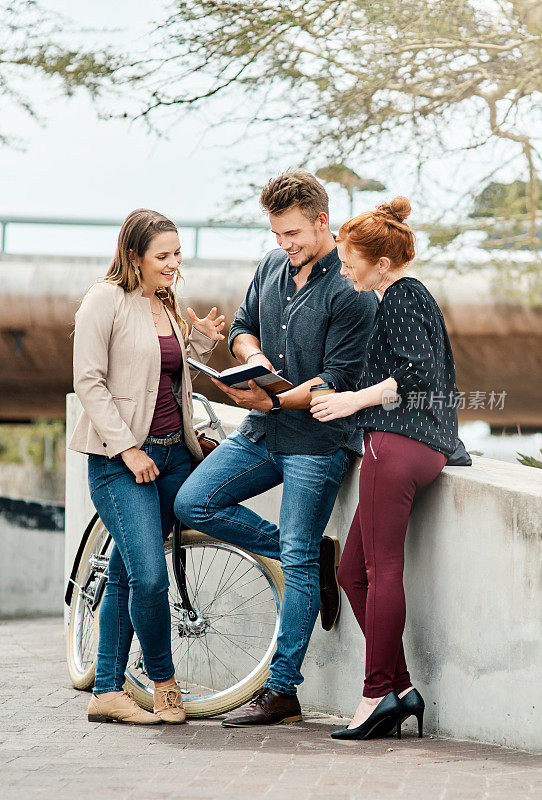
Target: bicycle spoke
[[232, 592], [248, 599], [209, 662], [230, 576], [187, 662], [252, 580], [224, 665], [242, 614], [195, 597], [223, 571], [227, 587], [208, 606], [210, 565], [187, 579], [199, 570], [225, 636], [236, 635]]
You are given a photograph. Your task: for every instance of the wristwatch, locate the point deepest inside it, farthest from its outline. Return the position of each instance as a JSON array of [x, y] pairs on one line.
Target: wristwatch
[[276, 407]]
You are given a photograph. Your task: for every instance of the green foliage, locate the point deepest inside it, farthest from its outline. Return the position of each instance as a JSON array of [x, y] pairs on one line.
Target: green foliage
[[504, 200], [348, 179], [346, 72], [29, 443], [360, 81], [505, 207], [33, 41], [530, 461]]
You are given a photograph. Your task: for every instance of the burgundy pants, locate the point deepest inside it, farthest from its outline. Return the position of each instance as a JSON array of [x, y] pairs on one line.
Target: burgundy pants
[[371, 568]]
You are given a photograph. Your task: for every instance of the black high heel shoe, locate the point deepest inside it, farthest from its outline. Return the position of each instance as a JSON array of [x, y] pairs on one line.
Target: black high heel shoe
[[388, 710], [411, 704]]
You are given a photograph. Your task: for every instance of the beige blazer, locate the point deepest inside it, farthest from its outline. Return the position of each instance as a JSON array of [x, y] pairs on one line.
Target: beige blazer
[[116, 370]]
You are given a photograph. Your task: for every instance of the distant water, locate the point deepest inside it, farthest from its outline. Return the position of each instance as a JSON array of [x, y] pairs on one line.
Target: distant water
[[477, 436]]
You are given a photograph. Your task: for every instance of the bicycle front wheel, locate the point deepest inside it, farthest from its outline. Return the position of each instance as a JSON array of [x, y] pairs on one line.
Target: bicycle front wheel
[[82, 638], [221, 656]]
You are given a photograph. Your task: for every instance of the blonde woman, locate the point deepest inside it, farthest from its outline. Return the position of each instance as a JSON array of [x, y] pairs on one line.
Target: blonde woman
[[131, 376]]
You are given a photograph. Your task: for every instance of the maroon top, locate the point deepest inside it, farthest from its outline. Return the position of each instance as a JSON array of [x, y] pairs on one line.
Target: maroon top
[[167, 413]]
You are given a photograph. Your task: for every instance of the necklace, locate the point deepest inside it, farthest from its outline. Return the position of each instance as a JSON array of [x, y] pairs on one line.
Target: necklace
[[157, 314]]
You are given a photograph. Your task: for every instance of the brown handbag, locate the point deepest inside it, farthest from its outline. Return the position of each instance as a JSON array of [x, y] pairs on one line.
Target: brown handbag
[[207, 445]]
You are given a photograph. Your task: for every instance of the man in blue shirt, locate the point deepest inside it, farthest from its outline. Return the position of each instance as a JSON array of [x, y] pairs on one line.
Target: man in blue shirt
[[299, 317]]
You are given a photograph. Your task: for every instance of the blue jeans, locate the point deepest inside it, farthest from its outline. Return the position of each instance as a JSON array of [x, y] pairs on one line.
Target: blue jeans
[[139, 517], [209, 501]]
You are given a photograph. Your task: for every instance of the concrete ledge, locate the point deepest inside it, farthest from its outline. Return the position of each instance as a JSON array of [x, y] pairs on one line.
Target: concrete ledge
[[31, 556], [473, 582]]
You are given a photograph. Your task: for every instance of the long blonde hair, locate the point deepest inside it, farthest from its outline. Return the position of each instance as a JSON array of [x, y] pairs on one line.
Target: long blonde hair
[[137, 231]]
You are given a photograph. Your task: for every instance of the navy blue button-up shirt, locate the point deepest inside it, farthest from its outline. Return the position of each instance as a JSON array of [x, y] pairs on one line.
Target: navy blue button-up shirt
[[320, 330]]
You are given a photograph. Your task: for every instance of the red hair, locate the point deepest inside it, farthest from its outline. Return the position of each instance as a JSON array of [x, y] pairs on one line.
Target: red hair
[[381, 233]]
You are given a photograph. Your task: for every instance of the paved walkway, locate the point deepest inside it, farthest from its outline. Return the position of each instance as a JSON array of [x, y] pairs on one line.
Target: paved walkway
[[49, 750]]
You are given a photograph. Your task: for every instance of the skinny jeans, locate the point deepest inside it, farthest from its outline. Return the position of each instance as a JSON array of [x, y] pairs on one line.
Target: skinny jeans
[[139, 517], [371, 569], [211, 501]]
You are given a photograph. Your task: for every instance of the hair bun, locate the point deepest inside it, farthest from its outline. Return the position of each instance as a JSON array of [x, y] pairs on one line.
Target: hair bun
[[400, 207]]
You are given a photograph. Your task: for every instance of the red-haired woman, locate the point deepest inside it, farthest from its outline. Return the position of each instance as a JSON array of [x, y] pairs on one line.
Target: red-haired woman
[[407, 408], [133, 381]]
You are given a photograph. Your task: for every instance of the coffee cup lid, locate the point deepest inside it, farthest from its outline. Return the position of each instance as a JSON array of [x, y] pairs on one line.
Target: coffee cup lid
[[321, 386]]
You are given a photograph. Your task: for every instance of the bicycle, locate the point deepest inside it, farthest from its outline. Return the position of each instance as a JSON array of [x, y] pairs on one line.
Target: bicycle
[[225, 608]]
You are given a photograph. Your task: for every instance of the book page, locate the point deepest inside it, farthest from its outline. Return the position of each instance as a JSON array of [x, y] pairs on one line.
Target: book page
[[203, 368]]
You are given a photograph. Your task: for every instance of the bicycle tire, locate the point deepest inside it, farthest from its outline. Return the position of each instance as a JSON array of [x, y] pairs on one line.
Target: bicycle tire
[[82, 634], [81, 665], [269, 573]]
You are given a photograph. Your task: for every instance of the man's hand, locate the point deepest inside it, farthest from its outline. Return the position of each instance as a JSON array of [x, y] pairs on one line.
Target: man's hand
[[254, 398], [259, 358], [211, 325], [143, 467]]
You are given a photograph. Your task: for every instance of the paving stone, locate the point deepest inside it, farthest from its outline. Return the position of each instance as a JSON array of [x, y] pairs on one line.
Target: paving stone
[[49, 750]]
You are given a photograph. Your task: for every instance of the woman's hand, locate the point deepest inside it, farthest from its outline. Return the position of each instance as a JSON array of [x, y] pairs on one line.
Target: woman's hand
[[143, 467], [335, 406], [211, 325]]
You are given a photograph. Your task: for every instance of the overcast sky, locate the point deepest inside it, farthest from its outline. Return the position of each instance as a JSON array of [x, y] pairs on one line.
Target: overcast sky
[[76, 165]]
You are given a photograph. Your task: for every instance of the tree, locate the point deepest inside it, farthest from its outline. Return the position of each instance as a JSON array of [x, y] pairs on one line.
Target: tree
[[32, 42], [349, 180], [500, 211], [341, 78], [504, 199]]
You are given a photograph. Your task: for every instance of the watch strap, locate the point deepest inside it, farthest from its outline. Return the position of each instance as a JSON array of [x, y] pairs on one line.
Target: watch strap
[[276, 404]]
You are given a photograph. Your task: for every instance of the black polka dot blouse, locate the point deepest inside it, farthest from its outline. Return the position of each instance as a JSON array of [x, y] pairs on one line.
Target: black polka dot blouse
[[409, 342]]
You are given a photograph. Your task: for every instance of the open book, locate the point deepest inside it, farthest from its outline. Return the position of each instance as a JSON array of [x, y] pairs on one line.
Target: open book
[[238, 377]]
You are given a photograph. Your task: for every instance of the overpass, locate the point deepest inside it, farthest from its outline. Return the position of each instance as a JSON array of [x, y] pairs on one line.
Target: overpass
[[496, 336]]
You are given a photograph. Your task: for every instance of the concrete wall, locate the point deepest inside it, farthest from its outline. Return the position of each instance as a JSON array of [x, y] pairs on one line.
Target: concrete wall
[[31, 558], [473, 582]]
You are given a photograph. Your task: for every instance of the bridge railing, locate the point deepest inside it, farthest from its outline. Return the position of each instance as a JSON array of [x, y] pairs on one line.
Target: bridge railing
[[195, 225]]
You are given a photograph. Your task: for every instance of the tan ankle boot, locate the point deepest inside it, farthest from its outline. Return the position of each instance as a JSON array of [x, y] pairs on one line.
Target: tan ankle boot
[[168, 704], [119, 708]]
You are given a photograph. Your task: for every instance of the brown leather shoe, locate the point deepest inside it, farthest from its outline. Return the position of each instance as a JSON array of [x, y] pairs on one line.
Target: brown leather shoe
[[330, 594], [168, 704], [266, 708], [119, 708]]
